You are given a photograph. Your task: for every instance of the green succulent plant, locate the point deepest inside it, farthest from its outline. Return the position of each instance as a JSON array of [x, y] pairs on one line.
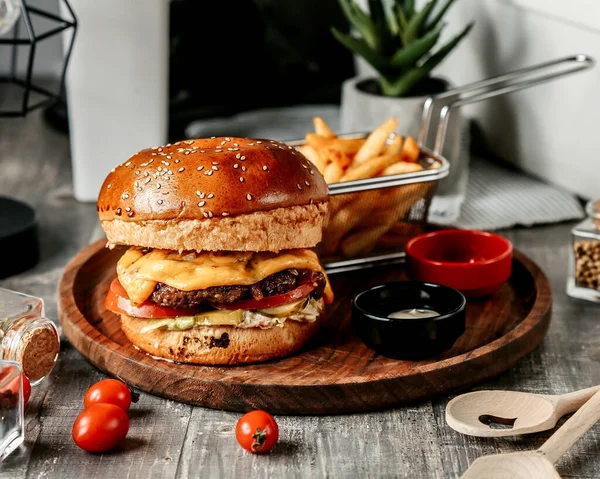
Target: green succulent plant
[[398, 40]]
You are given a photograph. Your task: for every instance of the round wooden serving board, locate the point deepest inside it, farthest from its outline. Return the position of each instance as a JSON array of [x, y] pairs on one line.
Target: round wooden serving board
[[336, 373]]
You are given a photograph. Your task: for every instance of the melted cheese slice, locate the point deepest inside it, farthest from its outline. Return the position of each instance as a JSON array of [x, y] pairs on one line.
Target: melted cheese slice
[[139, 273]]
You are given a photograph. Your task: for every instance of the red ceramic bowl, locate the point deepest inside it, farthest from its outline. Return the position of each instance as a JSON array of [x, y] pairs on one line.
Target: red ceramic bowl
[[476, 263]]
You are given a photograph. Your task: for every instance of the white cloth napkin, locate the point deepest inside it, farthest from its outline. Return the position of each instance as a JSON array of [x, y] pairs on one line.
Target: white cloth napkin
[[488, 196]]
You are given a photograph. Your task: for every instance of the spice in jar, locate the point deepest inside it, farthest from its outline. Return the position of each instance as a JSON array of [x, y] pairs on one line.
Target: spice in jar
[[26, 336], [584, 261]]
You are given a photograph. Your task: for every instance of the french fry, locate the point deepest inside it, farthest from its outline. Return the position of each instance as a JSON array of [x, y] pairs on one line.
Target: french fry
[[333, 173], [402, 167], [371, 168], [376, 141], [313, 156], [350, 146], [410, 150], [395, 146], [322, 128], [336, 156]]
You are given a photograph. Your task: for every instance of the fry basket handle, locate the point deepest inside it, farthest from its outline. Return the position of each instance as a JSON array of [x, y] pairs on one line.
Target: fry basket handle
[[491, 87]]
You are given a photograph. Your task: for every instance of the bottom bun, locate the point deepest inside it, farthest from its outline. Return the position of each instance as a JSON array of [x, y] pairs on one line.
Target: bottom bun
[[214, 345]]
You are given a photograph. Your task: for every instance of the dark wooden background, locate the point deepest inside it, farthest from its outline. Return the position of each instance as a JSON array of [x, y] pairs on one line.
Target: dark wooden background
[[169, 439]]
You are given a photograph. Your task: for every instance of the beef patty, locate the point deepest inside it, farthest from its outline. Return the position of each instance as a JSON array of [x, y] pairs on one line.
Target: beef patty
[[277, 283]]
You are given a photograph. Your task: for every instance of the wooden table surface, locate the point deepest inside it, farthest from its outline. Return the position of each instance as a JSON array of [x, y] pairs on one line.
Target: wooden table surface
[[168, 439]]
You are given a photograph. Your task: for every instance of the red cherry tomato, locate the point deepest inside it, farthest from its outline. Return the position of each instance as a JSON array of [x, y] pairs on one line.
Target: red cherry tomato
[[26, 390], [257, 431], [100, 427], [14, 387], [110, 391]]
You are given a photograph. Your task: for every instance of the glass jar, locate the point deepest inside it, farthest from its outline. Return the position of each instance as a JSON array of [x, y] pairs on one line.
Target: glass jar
[[26, 335], [12, 429], [584, 259]]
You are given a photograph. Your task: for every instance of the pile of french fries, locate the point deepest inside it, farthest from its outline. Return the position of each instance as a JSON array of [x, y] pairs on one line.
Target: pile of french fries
[[358, 221]]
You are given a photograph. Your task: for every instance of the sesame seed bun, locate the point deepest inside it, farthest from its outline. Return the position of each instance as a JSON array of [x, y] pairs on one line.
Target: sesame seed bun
[[215, 345], [233, 194]]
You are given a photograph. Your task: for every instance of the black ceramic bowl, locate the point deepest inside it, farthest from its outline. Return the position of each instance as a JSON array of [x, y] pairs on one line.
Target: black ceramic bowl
[[414, 338]]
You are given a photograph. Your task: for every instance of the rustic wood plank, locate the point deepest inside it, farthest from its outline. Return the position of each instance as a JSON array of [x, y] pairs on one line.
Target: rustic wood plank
[[179, 441]]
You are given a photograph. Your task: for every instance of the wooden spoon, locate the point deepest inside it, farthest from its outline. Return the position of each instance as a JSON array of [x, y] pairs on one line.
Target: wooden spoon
[[538, 464], [507, 413]]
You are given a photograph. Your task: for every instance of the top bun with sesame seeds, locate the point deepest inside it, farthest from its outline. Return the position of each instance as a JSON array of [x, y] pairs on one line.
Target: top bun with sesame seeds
[[217, 194]]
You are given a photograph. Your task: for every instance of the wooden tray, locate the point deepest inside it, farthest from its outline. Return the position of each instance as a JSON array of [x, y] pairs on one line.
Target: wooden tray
[[335, 373]]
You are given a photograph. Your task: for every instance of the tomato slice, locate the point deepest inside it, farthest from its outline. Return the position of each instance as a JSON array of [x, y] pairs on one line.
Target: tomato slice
[[295, 294], [118, 302]]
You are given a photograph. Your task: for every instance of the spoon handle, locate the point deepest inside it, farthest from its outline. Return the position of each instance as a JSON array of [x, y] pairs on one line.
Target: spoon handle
[[573, 429], [571, 402]]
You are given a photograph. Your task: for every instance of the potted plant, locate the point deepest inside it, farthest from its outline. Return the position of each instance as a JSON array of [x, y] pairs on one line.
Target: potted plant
[[400, 42]]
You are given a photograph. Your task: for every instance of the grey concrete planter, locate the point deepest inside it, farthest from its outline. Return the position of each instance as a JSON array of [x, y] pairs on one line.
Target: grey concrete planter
[[363, 109]]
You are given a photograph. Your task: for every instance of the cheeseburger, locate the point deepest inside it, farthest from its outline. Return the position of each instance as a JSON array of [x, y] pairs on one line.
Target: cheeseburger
[[218, 267]]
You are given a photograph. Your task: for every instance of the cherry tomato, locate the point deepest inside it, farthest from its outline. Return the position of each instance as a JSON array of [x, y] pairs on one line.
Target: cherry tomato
[[14, 387], [111, 391], [26, 390], [118, 302], [257, 431], [100, 427], [295, 294]]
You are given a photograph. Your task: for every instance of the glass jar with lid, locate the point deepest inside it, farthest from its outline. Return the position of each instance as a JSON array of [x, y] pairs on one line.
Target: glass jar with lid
[[583, 281]]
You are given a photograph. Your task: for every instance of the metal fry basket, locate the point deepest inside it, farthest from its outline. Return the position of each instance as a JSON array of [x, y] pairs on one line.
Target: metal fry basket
[[370, 220]]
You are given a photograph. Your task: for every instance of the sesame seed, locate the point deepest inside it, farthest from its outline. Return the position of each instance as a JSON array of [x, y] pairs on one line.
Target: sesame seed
[[130, 214], [210, 214], [241, 179], [160, 202], [177, 161], [216, 168], [223, 142], [159, 168], [298, 186], [211, 195], [225, 213], [202, 151], [168, 157], [265, 168], [168, 144], [189, 142], [177, 143], [200, 168], [250, 144], [235, 144], [212, 137], [238, 156], [109, 187], [155, 147], [311, 172], [215, 162], [236, 165], [304, 166], [113, 170], [158, 186], [124, 196], [181, 169], [160, 148], [128, 163], [136, 184], [199, 193], [195, 147], [170, 172], [242, 158], [137, 172], [187, 152], [146, 173], [147, 180], [208, 172], [202, 195], [306, 183], [205, 214], [249, 197], [258, 142], [202, 203], [118, 211], [244, 168], [227, 138], [310, 201], [128, 208]]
